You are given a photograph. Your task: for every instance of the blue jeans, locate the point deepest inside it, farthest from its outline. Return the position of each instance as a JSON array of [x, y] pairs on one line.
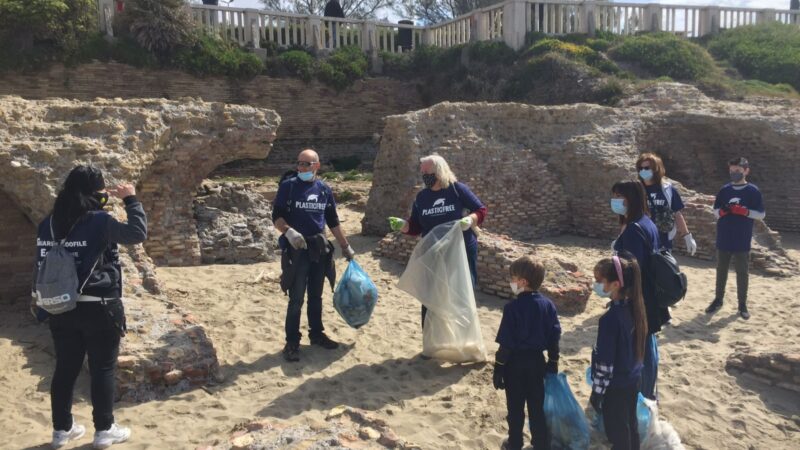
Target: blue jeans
[[472, 260], [310, 277], [650, 369]]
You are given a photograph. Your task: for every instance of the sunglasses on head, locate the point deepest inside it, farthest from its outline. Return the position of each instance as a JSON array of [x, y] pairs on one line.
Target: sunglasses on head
[[304, 164]]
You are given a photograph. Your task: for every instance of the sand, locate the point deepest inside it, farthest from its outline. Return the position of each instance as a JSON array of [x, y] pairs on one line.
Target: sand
[[378, 368]]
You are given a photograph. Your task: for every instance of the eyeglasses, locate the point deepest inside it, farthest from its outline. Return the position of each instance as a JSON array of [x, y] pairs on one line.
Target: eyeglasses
[[644, 168], [304, 164]]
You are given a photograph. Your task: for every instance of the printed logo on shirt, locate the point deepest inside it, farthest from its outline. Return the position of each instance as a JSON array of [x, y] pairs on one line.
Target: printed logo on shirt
[[312, 203], [438, 208], [313, 197], [734, 201], [655, 201]]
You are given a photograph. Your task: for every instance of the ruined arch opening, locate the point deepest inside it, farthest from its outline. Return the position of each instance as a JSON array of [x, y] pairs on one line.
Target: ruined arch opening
[[17, 233]]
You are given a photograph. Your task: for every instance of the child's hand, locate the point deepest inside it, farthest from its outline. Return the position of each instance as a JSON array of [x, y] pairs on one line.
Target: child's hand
[[497, 377], [597, 401], [552, 366]]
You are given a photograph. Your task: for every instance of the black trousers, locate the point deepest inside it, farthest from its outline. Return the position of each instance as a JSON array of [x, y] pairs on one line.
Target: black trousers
[[308, 276], [89, 330], [524, 377], [741, 263], [619, 417]]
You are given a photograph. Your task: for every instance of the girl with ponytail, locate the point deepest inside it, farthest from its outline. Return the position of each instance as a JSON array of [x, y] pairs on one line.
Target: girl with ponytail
[[618, 356]]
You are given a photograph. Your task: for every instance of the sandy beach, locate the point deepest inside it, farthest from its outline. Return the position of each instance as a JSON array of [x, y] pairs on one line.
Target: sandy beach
[[378, 368]]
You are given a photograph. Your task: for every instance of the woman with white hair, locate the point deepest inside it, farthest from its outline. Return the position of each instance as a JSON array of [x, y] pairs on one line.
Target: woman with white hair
[[444, 199]]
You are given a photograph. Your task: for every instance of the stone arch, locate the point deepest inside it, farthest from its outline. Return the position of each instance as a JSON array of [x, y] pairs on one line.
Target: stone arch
[[17, 233]]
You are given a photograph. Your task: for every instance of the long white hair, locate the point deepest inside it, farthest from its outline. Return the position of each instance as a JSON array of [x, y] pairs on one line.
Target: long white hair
[[442, 170]]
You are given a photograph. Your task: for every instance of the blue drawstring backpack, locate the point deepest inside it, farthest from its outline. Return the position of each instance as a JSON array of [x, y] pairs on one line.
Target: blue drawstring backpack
[[642, 414], [355, 296], [565, 418]]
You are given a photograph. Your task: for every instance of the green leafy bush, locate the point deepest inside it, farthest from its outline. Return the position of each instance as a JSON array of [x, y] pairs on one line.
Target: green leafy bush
[[160, 26], [343, 67], [664, 54], [491, 52], [213, 56], [767, 52], [298, 63]]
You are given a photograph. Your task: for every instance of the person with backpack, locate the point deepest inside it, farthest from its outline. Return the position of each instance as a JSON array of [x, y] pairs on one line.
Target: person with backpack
[[444, 199], [302, 207], [617, 358], [737, 206], [96, 322], [664, 202], [639, 237]]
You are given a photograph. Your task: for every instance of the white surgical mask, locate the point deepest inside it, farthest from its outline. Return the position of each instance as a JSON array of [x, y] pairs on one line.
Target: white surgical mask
[[515, 288]]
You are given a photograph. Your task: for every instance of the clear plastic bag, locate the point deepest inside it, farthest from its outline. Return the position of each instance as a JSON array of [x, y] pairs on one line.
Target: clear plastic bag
[[438, 275], [565, 418], [355, 296]]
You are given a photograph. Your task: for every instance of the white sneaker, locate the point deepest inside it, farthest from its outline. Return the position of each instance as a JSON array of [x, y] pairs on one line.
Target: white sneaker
[[61, 438], [111, 436]]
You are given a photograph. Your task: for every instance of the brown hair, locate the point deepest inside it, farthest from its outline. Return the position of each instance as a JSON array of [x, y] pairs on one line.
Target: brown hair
[[657, 166], [632, 291], [529, 270], [635, 197]]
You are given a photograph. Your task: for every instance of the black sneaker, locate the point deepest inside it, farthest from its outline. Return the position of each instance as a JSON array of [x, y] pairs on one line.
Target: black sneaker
[[291, 352], [714, 306], [743, 313], [324, 341]]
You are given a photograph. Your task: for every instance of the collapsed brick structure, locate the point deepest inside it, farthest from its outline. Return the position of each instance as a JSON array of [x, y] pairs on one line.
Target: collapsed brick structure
[[549, 170], [165, 148]]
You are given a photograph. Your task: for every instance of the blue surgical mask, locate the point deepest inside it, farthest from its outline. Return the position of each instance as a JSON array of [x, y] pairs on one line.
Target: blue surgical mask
[[618, 206], [646, 174], [305, 176], [598, 289]]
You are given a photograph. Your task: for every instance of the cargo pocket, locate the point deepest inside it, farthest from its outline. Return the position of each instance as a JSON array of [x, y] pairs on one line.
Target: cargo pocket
[[116, 313]]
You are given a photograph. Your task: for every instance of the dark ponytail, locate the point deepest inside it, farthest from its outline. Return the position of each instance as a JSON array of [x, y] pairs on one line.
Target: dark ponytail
[[76, 198], [632, 290]]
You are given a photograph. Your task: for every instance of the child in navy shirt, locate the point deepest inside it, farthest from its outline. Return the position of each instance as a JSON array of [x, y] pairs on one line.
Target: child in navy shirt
[[529, 327], [737, 205], [618, 356]]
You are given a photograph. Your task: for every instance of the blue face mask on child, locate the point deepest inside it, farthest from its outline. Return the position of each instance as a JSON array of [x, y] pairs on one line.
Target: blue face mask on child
[[305, 176], [618, 206], [598, 289], [646, 174]]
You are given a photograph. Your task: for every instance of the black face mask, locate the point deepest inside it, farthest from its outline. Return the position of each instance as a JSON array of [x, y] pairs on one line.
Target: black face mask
[[102, 199], [429, 179]]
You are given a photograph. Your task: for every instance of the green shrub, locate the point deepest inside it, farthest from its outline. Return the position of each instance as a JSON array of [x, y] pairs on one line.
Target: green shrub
[[664, 54], [298, 63], [213, 56], [610, 92], [343, 67], [160, 26], [491, 52], [768, 52], [346, 163]]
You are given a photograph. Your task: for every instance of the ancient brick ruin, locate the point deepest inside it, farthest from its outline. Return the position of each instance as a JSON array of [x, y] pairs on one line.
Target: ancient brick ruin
[[775, 369], [549, 170], [165, 148]]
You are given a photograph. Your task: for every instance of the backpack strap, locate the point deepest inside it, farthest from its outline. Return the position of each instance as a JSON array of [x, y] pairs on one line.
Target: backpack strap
[[644, 237], [53, 234], [666, 189]]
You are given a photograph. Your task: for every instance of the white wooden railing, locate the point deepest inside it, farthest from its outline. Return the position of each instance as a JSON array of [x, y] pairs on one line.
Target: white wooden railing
[[509, 21]]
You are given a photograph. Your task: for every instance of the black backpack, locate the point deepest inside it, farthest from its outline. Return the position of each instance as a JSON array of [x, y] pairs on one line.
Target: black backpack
[[669, 283]]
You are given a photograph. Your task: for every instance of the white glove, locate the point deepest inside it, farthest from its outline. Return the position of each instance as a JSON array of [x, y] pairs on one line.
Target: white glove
[[466, 223], [348, 253], [296, 240], [691, 245]]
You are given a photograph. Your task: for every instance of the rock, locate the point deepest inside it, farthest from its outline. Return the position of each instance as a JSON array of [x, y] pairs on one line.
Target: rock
[[242, 442], [369, 433], [173, 377]]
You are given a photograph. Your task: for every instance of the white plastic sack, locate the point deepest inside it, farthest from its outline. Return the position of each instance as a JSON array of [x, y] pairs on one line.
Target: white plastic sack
[[438, 276]]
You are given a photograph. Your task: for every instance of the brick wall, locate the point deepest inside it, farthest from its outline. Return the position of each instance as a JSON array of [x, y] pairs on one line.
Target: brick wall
[[311, 112], [776, 369], [17, 253]]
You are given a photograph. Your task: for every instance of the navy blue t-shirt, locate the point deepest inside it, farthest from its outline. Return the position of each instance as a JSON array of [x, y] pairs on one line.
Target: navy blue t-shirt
[[735, 232], [614, 362], [308, 204], [656, 200], [432, 208], [530, 322]]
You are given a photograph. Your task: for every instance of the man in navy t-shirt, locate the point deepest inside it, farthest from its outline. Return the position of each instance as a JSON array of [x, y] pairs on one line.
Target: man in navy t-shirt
[[737, 205], [302, 208]]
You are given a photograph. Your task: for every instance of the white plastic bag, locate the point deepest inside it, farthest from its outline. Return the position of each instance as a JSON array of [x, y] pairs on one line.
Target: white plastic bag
[[438, 276]]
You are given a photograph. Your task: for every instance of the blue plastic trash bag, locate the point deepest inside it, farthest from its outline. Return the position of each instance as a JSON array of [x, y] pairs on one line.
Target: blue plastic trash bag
[[642, 413], [565, 418], [355, 296]]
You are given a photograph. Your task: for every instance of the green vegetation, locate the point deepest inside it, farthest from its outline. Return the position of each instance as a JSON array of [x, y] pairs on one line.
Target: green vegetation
[[350, 175], [213, 56], [664, 54], [768, 52]]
